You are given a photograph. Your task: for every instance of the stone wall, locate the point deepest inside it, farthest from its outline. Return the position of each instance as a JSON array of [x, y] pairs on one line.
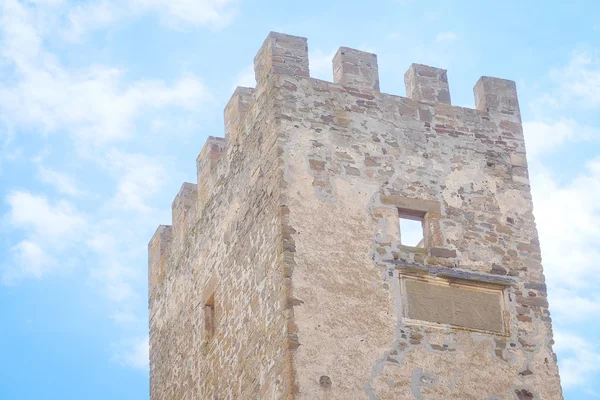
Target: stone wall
[[223, 256], [291, 246]]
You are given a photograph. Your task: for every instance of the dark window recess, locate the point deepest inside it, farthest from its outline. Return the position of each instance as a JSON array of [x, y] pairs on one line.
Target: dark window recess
[[209, 317]]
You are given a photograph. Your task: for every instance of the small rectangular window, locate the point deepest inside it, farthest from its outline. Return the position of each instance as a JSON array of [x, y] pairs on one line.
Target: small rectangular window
[[209, 317], [411, 228]]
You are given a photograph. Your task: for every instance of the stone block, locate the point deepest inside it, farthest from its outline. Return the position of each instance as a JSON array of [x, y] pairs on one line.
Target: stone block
[[283, 55], [356, 69], [427, 84]]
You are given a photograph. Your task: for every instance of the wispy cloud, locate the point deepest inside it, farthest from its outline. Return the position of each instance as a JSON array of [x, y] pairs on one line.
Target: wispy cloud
[[85, 17], [93, 104], [62, 182], [446, 37], [99, 229], [29, 260], [50, 228], [139, 178], [568, 219], [73, 20], [543, 137], [215, 13], [567, 211], [246, 77], [580, 361], [55, 222], [577, 83], [132, 352]]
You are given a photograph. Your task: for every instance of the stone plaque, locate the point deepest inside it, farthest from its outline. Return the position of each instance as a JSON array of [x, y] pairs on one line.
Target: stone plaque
[[458, 305]]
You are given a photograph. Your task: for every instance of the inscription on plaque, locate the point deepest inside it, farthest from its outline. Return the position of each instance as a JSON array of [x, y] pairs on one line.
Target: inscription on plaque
[[457, 305]]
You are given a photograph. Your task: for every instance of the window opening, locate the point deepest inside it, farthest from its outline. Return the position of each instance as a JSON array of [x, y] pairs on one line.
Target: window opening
[[411, 229]]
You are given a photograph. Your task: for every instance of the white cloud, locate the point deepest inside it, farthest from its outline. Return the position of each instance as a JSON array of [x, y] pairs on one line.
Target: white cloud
[[56, 223], [573, 307], [568, 221], [89, 16], [216, 13], [132, 352], [63, 183], [57, 231], [446, 37], [567, 211], [101, 233], [579, 361], [29, 260], [93, 103], [578, 82], [115, 279], [72, 19], [544, 137], [48, 2], [50, 228], [85, 17], [246, 77], [140, 177], [89, 105]]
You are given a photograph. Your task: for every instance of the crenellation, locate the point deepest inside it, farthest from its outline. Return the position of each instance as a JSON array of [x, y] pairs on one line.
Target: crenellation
[[497, 95], [288, 279], [427, 84], [206, 165], [355, 68], [281, 54], [236, 111], [158, 251], [183, 209]]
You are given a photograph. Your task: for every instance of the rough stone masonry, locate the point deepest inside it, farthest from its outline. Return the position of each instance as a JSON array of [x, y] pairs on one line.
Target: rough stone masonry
[[284, 274]]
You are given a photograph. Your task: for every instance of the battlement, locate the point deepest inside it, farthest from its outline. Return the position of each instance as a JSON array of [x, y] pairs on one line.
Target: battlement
[[327, 169], [354, 71], [287, 55]]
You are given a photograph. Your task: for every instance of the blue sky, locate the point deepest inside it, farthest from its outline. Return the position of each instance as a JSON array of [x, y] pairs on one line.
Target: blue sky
[[104, 106]]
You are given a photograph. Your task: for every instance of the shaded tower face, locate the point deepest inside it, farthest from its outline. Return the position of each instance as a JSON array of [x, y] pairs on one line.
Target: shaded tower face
[[343, 243]]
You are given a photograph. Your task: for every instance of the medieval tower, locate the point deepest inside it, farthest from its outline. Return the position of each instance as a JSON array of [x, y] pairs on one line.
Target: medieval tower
[[288, 273]]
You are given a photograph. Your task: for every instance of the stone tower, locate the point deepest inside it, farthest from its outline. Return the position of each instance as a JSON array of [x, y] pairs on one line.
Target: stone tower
[[290, 270]]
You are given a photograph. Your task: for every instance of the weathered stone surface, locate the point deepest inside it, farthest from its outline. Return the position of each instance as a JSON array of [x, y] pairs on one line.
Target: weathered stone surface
[[444, 253], [355, 68], [456, 305], [427, 84], [283, 280]]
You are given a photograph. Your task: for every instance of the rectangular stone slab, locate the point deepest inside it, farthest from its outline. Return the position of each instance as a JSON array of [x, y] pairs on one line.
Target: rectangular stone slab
[[457, 305]]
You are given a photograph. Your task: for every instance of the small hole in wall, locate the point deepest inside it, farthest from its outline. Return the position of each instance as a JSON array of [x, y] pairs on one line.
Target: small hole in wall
[[411, 230], [325, 382], [209, 317]]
